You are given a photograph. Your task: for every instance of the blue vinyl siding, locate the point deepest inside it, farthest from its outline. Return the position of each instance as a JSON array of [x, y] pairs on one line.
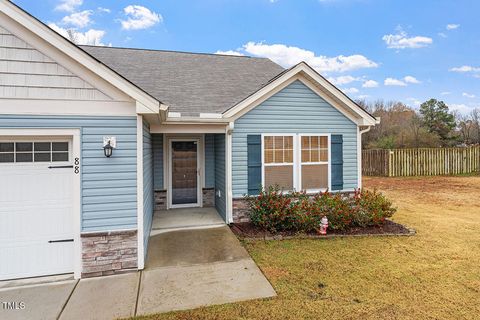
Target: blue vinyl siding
[[295, 109], [220, 202], [147, 184], [108, 185], [209, 161], [157, 144]]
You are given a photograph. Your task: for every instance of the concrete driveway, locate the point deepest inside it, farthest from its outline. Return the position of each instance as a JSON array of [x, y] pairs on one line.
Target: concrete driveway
[[184, 270]]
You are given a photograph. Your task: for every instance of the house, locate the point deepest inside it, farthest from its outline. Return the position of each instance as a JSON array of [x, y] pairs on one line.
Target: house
[[93, 140]]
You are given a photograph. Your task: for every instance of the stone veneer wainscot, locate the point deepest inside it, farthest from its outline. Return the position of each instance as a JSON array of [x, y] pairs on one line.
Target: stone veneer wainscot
[[107, 253]]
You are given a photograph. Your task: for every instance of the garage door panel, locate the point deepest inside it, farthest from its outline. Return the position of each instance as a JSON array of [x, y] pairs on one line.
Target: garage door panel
[[36, 207], [35, 186], [25, 259], [33, 223]]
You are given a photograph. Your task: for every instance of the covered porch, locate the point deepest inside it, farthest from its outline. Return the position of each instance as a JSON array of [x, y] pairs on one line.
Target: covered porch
[[189, 179]]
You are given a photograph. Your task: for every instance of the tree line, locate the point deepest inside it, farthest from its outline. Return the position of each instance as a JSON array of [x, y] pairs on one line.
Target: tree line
[[432, 125]]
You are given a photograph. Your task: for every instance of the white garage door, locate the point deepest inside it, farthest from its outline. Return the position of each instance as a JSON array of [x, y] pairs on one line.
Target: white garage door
[[36, 207]]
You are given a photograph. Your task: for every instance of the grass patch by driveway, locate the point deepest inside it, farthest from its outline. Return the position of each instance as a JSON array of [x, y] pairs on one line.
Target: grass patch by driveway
[[433, 275]]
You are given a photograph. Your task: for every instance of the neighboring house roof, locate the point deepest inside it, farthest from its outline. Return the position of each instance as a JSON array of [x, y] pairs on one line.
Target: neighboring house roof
[[190, 83]]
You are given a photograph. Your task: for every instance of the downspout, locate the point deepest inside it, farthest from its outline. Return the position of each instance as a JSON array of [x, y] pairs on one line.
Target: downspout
[[359, 153], [228, 172]]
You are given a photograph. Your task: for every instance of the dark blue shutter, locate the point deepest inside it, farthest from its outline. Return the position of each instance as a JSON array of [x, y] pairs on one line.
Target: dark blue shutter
[[254, 143], [337, 161]]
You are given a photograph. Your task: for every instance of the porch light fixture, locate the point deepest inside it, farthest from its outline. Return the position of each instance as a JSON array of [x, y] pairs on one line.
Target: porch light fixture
[[108, 149], [109, 143]]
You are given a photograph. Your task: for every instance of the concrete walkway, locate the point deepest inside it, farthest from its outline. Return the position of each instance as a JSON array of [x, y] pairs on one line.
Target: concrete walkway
[[184, 270]]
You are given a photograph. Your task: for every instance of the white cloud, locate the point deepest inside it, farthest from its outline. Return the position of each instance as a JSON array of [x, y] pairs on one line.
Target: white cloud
[[443, 35], [410, 79], [452, 26], [103, 10], [90, 37], [78, 19], [68, 5], [475, 71], [139, 17], [401, 40], [415, 102], [465, 69], [230, 53], [342, 80], [370, 84], [363, 96], [400, 82], [445, 93], [288, 56], [468, 95], [350, 90], [394, 82], [462, 108]]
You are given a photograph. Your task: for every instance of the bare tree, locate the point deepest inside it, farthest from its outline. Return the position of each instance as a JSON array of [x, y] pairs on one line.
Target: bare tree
[[475, 117], [72, 36], [465, 127]]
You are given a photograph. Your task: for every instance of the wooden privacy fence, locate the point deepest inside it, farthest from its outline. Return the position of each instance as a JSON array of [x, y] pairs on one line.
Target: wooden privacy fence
[[420, 162]]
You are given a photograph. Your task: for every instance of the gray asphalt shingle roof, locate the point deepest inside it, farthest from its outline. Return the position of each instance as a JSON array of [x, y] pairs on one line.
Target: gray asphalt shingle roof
[[190, 83]]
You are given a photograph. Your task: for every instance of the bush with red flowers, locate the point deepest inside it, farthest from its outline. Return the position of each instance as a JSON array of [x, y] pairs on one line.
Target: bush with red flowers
[[277, 211]]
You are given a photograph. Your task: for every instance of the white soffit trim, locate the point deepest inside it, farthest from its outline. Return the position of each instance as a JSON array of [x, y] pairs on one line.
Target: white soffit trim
[[330, 93], [41, 30], [188, 128], [174, 115], [211, 115]]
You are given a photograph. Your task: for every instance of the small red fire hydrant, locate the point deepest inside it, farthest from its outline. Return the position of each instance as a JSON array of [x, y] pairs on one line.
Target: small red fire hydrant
[[324, 225]]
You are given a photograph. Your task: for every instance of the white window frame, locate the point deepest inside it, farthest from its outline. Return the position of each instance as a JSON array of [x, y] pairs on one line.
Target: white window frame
[[33, 140], [328, 162], [279, 164], [297, 159]]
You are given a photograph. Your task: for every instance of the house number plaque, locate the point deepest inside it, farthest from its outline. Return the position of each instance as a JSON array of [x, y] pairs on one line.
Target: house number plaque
[[77, 166]]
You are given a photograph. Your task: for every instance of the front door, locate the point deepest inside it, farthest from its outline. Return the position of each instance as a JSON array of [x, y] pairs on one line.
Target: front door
[[184, 173]]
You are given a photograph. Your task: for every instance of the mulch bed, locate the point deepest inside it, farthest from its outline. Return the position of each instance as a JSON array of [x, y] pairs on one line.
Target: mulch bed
[[248, 231]]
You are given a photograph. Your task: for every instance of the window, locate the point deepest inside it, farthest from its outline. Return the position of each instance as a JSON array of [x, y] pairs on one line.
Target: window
[[278, 162], [27, 152], [314, 163], [296, 162]]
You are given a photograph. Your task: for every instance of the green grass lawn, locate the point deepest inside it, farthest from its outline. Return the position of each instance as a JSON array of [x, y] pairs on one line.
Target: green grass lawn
[[432, 275]]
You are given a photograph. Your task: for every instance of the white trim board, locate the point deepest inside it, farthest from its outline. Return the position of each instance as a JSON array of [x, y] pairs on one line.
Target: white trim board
[[228, 173], [64, 107], [74, 134], [140, 232], [181, 128]]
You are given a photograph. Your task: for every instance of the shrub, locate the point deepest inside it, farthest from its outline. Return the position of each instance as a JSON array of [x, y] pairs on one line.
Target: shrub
[[271, 210], [275, 211], [372, 208]]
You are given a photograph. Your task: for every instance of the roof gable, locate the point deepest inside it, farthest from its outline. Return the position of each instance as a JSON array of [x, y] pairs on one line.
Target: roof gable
[[27, 73], [23, 22], [307, 75]]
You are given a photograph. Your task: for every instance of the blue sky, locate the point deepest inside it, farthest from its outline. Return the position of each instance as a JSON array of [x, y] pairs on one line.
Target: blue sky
[[372, 49]]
